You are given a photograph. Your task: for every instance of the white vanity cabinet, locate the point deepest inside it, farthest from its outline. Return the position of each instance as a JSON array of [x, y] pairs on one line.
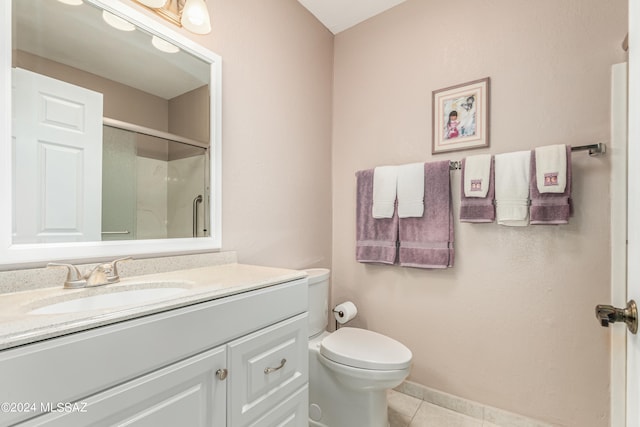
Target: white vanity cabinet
[[237, 361]]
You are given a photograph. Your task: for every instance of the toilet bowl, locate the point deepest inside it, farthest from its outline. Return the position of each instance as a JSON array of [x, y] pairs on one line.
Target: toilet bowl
[[350, 369]]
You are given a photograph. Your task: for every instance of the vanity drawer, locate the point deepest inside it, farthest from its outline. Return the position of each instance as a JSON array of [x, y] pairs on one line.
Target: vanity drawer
[[265, 368], [293, 412]]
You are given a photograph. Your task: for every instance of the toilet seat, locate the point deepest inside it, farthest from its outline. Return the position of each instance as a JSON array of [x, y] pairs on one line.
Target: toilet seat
[[365, 349]]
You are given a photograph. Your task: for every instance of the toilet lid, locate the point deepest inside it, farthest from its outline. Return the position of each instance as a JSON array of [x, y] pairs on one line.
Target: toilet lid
[[365, 349]]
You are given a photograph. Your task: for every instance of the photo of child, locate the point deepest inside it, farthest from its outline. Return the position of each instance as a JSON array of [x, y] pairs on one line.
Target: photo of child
[[460, 117], [452, 125], [463, 124]]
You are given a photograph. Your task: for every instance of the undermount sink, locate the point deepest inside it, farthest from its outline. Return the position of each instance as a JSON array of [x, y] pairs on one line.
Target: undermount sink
[[110, 300]]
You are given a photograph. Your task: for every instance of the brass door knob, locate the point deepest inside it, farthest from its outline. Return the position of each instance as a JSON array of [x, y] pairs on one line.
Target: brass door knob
[[609, 314]]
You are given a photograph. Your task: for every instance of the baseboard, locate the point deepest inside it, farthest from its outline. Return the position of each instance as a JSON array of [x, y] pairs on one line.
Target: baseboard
[[468, 407]]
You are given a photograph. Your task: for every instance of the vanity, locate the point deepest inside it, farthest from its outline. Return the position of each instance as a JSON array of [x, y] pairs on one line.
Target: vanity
[[228, 347]]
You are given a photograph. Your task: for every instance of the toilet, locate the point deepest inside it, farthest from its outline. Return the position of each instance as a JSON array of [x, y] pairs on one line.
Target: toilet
[[351, 369]]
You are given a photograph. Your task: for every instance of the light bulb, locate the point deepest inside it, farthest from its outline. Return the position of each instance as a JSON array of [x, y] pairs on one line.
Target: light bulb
[[195, 17]]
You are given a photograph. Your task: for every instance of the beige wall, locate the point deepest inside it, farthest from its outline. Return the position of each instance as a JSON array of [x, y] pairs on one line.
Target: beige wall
[[189, 114], [276, 131], [512, 324], [277, 63]]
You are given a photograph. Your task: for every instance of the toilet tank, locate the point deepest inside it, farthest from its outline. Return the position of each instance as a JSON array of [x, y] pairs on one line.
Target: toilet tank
[[318, 300]]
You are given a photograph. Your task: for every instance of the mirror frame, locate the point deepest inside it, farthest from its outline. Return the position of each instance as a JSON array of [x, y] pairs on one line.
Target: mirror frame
[[14, 256]]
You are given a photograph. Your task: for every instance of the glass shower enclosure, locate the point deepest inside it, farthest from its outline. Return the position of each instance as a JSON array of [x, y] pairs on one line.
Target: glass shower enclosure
[[152, 187]]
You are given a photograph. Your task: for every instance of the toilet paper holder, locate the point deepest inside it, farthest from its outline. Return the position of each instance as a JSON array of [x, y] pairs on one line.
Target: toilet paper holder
[[340, 313], [344, 312]]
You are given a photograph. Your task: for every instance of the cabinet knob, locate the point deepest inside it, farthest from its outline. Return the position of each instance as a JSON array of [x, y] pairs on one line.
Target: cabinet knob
[[221, 374]]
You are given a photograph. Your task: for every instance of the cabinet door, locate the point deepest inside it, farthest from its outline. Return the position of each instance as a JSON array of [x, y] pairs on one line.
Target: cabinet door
[[187, 393], [265, 368]]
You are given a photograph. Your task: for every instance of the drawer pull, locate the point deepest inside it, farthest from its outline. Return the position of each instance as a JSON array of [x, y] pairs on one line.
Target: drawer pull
[[269, 370], [221, 374]]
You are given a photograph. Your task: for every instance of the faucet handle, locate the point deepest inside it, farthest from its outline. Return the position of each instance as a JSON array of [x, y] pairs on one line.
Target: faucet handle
[[114, 276], [74, 278]]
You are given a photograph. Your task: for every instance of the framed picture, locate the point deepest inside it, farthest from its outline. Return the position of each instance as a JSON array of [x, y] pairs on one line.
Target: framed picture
[[461, 117]]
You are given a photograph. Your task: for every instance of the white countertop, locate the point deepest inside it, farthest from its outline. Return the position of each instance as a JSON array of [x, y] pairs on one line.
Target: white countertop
[[18, 327]]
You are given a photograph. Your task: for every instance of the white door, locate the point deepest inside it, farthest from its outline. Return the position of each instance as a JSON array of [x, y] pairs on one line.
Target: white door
[[57, 160], [633, 269], [617, 151]]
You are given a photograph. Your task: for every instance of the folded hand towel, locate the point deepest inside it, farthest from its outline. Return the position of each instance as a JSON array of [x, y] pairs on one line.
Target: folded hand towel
[[376, 239], [427, 242], [551, 168], [551, 208], [477, 171], [385, 180], [477, 209], [512, 188], [411, 190]]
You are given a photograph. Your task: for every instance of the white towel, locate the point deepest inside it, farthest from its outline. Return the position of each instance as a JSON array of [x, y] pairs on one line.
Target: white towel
[[477, 172], [411, 190], [551, 168], [512, 188], [385, 179]]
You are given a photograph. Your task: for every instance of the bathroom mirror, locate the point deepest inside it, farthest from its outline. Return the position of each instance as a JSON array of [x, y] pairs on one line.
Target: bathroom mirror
[[129, 162]]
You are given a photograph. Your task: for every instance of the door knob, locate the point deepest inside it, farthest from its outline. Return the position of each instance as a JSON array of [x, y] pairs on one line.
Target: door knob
[[610, 314]]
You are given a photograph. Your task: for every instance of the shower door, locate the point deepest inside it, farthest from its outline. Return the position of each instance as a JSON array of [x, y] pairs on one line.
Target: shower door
[[119, 187], [149, 184]]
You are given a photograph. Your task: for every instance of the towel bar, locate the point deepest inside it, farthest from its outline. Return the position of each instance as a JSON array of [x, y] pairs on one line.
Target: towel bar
[[598, 149]]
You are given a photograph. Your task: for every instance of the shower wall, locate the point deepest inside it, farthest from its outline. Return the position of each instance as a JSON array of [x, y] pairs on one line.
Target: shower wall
[[119, 196], [186, 179], [151, 209]]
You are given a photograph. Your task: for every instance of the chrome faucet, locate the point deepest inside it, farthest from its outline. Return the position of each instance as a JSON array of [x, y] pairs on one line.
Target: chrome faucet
[[102, 274]]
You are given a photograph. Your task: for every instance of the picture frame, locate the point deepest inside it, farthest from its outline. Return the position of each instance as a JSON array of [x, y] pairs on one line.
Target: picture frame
[[461, 117]]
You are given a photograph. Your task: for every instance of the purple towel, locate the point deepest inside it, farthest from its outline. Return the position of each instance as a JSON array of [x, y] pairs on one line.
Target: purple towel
[[376, 239], [427, 242], [550, 208], [478, 209]]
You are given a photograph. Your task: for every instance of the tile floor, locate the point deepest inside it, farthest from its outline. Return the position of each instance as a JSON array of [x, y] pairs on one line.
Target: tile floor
[[408, 411]]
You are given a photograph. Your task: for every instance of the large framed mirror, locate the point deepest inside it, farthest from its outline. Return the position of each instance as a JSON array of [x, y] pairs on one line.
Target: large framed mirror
[[110, 137]]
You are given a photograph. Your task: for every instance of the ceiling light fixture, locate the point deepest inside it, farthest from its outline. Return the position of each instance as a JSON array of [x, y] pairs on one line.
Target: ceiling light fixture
[[71, 2], [164, 45], [117, 22], [193, 15]]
